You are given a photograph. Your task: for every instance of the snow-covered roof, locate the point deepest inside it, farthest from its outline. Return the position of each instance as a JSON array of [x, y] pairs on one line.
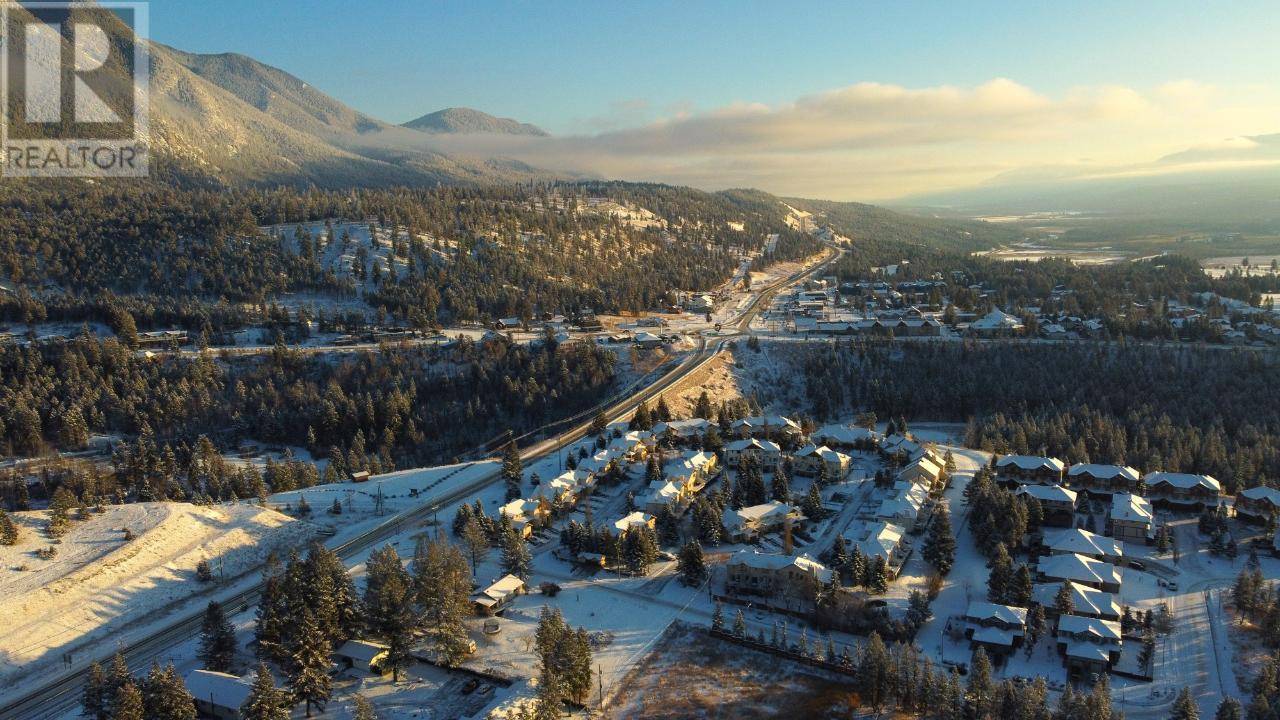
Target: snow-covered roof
[[1031, 462], [1263, 493], [879, 539], [1049, 493], [1182, 481], [1084, 542], [770, 561], [1106, 630], [924, 466], [1086, 600], [1088, 651], [682, 427], [993, 636], [1104, 471], [1131, 508], [1007, 614], [748, 443], [1079, 568], [647, 337], [773, 421], [361, 650], [826, 453], [756, 514], [217, 688], [661, 492], [844, 435], [997, 320], [635, 518]]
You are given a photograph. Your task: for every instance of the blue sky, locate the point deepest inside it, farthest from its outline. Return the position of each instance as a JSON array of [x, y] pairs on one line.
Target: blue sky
[[560, 63], [890, 88]]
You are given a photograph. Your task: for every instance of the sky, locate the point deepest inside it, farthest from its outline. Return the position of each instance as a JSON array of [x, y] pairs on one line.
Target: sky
[[842, 100]]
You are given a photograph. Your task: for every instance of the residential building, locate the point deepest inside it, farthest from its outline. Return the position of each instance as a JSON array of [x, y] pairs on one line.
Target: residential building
[[1103, 479], [361, 655], [785, 577], [1085, 601], [998, 629], [1080, 569], [1083, 542], [1029, 470], [1258, 504], [750, 523], [682, 430], [767, 426], [997, 324], [1183, 490], [218, 695], [692, 470], [903, 504], [1089, 646], [524, 514], [765, 453], [922, 471], [495, 598], [661, 494], [845, 438], [633, 520], [810, 459], [1132, 518], [880, 539], [1057, 502]]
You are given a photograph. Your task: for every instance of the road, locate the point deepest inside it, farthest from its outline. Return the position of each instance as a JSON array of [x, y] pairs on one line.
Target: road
[[60, 692]]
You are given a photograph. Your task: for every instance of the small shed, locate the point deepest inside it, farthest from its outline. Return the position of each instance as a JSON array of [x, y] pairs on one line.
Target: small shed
[[218, 695], [361, 655]]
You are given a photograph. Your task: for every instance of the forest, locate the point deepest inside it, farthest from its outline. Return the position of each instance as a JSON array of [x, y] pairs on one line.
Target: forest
[[1181, 409]]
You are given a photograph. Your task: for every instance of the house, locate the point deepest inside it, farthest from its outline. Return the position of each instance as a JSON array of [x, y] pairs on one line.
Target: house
[[1183, 490], [661, 494], [845, 438], [495, 598], [921, 472], [509, 323], [789, 577], [1080, 569], [1085, 601], [682, 430], [1089, 645], [602, 462], [903, 505], [750, 523], [699, 303], [879, 539], [523, 514], [1083, 542], [1029, 470], [634, 446], [633, 520], [1258, 504], [568, 485], [360, 476], [765, 453], [692, 470], [811, 459], [998, 629], [1132, 519], [1057, 502], [648, 341], [218, 695], [361, 655], [997, 324], [1103, 479], [766, 426]]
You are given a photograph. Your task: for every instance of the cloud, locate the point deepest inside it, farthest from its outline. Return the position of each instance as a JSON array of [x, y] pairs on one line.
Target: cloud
[[874, 140]]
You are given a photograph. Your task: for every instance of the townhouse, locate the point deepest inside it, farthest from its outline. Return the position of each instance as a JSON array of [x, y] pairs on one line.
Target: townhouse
[[1089, 646], [1057, 502], [1079, 569], [1132, 519], [1182, 490], [810, 460], [1258, 504], [998, 629], [787, 577], [633, 520], [767, 426], [1029, 470], [524, 514], [845, 438], [1085, 601], [1104, 480], [1082, 542], [749, 523], [765, 453], [880, 539]]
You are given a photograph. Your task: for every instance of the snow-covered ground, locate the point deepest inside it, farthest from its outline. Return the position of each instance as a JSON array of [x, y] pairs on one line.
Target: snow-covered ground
[[100, 587]]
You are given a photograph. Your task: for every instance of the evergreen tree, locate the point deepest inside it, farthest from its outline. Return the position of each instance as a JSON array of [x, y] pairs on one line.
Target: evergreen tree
[[308, 676], [1229, 709], [641, 420], [442, 586], [1063, 601], [940, 546], [1000, 581], [8, 530], [165, 696], [780, 485], [265, 701], [388, 603], [512, 470], [117, 677], [1185, 707], [662, 413], [981, 688], [691, 564], [717, 618], [515, 555], [639, 549], [739, 624], [128, 703], [60, 507], [217, 639], [811, 506], [702, 408], [362, 709], [1020, 588], [878, 576], [93, 700]]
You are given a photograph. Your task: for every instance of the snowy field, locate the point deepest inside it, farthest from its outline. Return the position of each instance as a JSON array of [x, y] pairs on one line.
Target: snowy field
[[101, 587]]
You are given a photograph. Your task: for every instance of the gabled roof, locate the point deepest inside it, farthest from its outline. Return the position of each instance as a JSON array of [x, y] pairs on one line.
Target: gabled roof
[[635, 518], [991, 611], [1084, 542], [1131, 508], [770, 561], [1031, 462], [361, 650], [1263, 493], [879, 539], [221, 689], [773, 421], [993, 636], [1079, 568], [845, 435], [682, 427], [1049, 493], [1182, 481], [1104, 471], [997, 320], [1106, 630], [1086, 600]]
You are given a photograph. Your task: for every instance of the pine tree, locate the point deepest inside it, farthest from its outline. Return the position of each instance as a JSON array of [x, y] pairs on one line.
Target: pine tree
[[1000, 580], [515, 555], [662, 413], [811, 506], [165, 696], [780, 486], [217, 639], [641, 420], [60, 507], [1229, 709], [717, 618], [308, 677], [1020, 587], [128, 703], [362, 709], [117, 677], [1063, 602], [512, 470], [442, 586], [1185, 707], [702, 408], [388, 603], [639, 549], [739, 625], [878, 576], [265, 701], [8, 530], [940, 546], [691, 563], [981, 688], [94, 699]]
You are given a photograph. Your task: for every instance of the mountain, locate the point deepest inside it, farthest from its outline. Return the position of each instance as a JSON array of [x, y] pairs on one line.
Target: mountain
[[465, 121]]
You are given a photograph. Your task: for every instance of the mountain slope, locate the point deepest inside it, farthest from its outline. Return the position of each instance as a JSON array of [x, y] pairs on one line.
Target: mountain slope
[[465, 121]]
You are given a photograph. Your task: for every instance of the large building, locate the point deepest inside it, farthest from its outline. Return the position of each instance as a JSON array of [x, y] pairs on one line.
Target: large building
[[1258, 504], [1182, 490], [1132, 519], [1090, 646], [1029, 470], [750, 523], [1057, 502], [1103, 479], [786, 577]]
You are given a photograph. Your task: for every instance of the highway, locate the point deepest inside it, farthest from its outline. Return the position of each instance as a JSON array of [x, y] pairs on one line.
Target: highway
[[62, 691]]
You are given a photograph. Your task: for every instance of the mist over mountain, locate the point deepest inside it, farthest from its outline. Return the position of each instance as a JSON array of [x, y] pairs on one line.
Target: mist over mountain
[[466, 121]]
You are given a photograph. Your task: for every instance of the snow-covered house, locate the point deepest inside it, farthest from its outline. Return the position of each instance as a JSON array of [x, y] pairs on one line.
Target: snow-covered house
[[1085, 601], [361, 655], [1080, 569], [633, 520], [790, 577], [750, 523], [647, 340], [922, 471], [766, 426], [523, 514], [903, 505], [997, 323], [495, 598], [1132, 518], [568, 485], [1182, 489], [682, 430], [661, 494], [998, 629], [1057, 502], [1258, 504], [1083, 542], [843, 437], [810, 459], [879, 539], [1089, 645], [765, 453], [1029, 470], [218, 695], [1103, 479], [692, 470]]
